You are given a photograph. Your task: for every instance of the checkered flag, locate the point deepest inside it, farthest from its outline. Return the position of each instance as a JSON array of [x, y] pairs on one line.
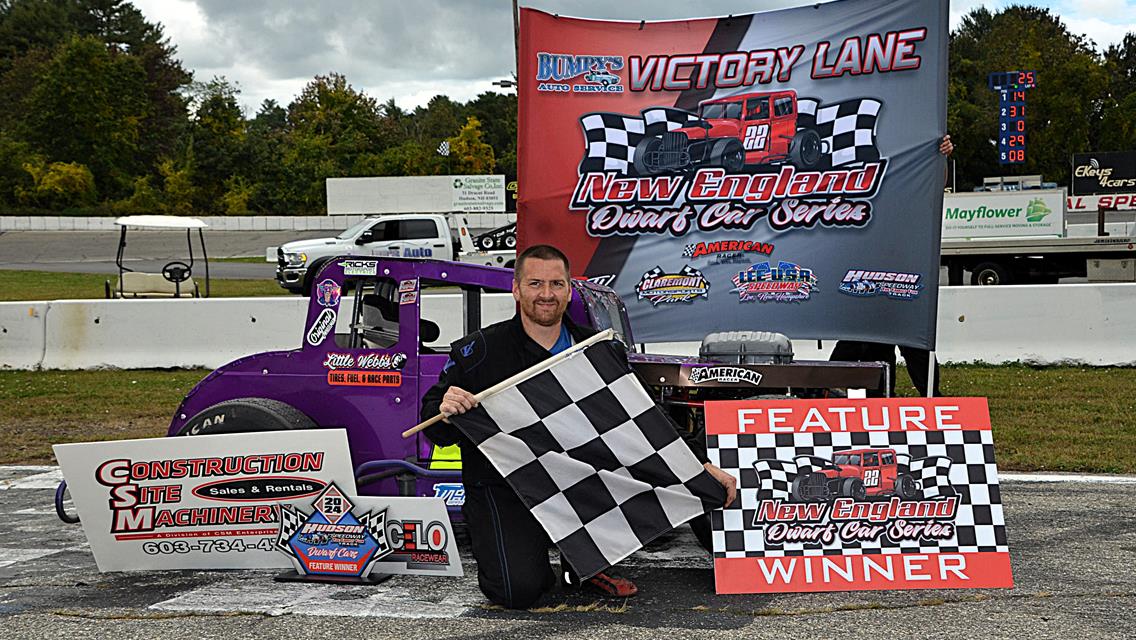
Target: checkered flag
[[290, 521], [933, 474], [610, 138], [847, 129], [444, 148], [688, 251], [776, 478], [598, 464]]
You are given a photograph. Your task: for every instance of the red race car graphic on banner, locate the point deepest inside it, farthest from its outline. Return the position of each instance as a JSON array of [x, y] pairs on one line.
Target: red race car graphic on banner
[[807, 134]]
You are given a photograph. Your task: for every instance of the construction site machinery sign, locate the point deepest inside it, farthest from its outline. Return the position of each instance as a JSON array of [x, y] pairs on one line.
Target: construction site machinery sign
[[648, 149], [210, 502], [849, 495], [1003, 214]]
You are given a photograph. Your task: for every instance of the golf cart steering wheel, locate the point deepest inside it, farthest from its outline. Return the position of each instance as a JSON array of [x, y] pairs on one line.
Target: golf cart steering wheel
[[176, 272]]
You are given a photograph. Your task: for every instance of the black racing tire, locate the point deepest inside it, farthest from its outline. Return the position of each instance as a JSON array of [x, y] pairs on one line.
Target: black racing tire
[[510, 264], [728, 154], [809, 487], [486, 243], [247, 415], [804, 149], [646, 147], [905, 487], [854, 488], [510, 242], [990, 274]]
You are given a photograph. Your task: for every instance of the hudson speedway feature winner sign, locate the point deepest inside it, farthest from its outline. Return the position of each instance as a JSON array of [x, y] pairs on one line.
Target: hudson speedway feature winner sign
[[808, 136], [844, 495]]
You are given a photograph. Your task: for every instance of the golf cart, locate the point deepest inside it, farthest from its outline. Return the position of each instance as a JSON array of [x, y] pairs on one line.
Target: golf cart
[[176, 277]]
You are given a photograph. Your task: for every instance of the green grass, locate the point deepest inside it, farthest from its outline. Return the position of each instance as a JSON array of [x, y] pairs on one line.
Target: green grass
[[245, 259], [1045, 419], [46, 285]]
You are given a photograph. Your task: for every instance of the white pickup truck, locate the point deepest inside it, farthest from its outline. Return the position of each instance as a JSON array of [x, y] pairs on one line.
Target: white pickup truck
[[418, 235]]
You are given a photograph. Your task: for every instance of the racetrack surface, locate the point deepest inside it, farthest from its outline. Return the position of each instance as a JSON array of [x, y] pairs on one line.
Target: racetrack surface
[[1073, 545]]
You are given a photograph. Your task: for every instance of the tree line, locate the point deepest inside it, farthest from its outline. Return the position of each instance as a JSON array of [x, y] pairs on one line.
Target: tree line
[[99, 116]]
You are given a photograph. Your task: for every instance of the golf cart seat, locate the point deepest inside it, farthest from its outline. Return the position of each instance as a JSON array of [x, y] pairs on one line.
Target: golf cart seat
[[135, 284]]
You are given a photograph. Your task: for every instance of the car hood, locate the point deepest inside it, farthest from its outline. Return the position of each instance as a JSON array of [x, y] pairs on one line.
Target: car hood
[[297, 246]]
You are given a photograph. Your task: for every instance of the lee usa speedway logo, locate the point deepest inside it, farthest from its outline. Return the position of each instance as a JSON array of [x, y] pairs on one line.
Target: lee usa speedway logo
[[787, 282], [797, 163], [596, 74], [893, 284], [658, 286]]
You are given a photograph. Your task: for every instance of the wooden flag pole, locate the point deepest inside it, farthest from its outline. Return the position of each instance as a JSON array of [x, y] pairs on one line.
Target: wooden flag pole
[[544, 365]]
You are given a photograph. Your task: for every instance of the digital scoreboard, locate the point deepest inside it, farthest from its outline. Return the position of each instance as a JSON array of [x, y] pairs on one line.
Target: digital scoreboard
[[1011, 87]]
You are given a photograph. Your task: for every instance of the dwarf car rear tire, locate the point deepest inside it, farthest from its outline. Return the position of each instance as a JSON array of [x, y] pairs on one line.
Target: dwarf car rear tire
[[854, 488], [247, 415], [905, 487]]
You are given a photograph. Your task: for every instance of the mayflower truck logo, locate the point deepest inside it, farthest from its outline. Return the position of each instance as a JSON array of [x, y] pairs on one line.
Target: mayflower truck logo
[[332, 540], [796, 163], [555, 70], [1036, 210], [893, 284], [658, 286], [787, 282]]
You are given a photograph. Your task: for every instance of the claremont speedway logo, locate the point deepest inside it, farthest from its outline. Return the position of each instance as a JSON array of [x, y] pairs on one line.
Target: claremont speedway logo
[[659, 286]]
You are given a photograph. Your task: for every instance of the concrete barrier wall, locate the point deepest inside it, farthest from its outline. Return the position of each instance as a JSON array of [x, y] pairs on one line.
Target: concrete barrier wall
[[230, 223], [21, 334], [1092, 324]]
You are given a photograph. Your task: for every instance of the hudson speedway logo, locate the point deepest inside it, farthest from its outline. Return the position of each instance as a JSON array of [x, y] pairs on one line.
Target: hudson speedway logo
[[555, 70], [893, 284]]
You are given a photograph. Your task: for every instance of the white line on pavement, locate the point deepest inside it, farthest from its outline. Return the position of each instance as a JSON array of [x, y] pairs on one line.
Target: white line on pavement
[[16, 556], [1066, 477]]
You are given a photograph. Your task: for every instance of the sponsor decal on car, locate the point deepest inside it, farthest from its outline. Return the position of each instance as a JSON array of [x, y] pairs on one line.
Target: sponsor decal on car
[[386, 361], [408, 297], [699, 375], [352, 378], [893, 284], [408, 285], [359, 267], [452, 493], [323, 325], [786, 282], [658, 286], [327, 293]]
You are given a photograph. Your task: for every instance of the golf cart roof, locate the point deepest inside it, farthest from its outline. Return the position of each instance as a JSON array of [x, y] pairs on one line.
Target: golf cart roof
[[160, 222]]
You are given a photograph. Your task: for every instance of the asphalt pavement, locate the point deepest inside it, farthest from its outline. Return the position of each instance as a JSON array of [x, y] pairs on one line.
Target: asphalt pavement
[[1072, 543]]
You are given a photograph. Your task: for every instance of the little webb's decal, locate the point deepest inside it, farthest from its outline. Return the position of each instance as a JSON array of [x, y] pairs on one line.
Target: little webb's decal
[[841, 495]]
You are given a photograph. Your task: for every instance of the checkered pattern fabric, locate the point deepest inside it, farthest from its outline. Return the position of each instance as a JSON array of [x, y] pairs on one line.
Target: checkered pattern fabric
[[610, 138], [847, 129], [601, 467], [933, 474], [972, 475]]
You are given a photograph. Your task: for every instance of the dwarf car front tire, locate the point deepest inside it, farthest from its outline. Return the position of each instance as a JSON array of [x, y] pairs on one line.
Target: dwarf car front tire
[[247, 415]]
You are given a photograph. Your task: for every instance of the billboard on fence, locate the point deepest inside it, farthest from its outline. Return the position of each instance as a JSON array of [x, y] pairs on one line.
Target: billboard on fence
[[774, 171], [1104, 172], [416, 194], [210, 502], [1004, 214], [846, 495]]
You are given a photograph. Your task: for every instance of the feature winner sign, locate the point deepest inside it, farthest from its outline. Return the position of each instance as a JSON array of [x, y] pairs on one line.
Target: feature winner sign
[[721, 172], [844, 495]]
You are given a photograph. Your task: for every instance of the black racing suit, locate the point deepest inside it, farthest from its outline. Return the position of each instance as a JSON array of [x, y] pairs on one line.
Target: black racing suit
[[510, 546]]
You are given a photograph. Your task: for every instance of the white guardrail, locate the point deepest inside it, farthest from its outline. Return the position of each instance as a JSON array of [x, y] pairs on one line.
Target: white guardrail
[[230, 223], [1092, 324]]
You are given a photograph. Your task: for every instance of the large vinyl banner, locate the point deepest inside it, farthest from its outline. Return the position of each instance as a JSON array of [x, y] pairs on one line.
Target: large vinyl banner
[[774, 171]]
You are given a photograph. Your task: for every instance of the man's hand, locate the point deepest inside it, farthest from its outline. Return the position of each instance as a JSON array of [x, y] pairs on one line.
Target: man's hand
[[726, 480], [946, 147], [456, 401]]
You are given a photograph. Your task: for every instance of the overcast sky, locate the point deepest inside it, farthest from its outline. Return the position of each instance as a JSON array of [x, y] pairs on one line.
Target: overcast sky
[[413, 50]]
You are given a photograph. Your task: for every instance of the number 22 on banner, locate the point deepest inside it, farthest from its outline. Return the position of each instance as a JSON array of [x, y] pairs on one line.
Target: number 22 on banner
[[756, 137]]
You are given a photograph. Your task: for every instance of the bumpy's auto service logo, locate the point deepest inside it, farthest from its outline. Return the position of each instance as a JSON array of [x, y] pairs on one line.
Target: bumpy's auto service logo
[[556, 73], [893, 284], [658, 286], [787, 282]]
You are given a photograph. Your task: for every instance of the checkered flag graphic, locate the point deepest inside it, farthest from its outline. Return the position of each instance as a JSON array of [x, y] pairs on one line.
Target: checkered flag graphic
[[610, 138], [290, 521], [444, 148], [599, 465], [847, 129], [933, 474], [776, 477], [688, 251]]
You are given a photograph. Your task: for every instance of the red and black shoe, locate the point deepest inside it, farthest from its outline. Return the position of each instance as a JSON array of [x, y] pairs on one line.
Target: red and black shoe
[[604, 583]]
